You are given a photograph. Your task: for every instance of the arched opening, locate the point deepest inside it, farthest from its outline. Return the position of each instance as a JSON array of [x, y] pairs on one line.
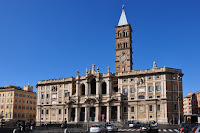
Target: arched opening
[[82, 90], [103, 88], [93, 86]]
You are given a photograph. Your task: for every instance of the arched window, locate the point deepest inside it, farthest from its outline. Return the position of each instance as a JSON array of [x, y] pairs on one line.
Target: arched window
[[82, 89], [93, 86], [141, 97], [103, 88]]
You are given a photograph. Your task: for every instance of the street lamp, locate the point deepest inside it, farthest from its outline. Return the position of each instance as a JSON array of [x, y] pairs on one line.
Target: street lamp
[[179, 115]]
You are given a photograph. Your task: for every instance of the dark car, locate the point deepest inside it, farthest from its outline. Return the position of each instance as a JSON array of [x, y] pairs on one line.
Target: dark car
[[186, 127], [148, 128]]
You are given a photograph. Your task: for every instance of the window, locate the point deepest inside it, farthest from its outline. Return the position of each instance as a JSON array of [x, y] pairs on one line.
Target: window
[[59, 111], [141, 97], [132, 90], [158, 107], [65, 94], [132, 109], [60, 95], [47, 111], [158, 96], [65, 111], [125, 90], [175, 107], [42, 111], [158, 88], [174, 88], [42, 96], [150, 108], [47, 96], [150, 88], [125, 109]]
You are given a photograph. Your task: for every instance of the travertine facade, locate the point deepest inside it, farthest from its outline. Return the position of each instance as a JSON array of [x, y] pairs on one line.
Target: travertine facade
[[16, 103], [140, 95]]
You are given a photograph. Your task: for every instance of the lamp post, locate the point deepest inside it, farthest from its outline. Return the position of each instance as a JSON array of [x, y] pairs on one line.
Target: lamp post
[[179, 114]]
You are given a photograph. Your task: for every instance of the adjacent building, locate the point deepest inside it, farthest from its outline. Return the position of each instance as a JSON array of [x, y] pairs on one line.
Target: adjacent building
[[191, 103], [139, 95], [16, 103]]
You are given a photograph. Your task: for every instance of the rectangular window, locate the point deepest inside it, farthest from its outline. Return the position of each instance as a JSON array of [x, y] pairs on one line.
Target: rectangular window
[[158, 87], [59, 111], [132, 109], [47, 111], [150, 108], [125, 90], [42, 96], [158, 108], [175, 107], [174, 88], [132, 90], [60, 95], [125, 109], [150, 88]]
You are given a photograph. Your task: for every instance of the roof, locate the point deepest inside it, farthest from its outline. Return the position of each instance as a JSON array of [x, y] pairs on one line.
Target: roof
[[123, 20]]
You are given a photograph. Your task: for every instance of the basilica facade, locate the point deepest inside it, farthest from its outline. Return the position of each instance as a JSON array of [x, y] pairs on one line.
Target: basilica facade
[[127, 95]]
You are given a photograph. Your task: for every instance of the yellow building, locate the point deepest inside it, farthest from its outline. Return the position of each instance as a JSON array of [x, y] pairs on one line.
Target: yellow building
[[16, 103]]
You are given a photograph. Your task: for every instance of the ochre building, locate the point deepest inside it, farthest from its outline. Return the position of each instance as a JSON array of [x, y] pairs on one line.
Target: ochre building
[[138, 95], [19, 104]]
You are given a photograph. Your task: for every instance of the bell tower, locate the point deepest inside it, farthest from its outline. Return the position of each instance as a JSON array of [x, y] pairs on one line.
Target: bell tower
[[123, 45]]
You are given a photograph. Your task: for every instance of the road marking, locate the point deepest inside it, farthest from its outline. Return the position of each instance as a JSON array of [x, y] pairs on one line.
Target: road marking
[[176, 130], [164, 130], [170, 130]]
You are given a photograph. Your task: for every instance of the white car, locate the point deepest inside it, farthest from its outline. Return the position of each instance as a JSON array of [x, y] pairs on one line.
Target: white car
[[196, 129], [97, 128], [111, 127]]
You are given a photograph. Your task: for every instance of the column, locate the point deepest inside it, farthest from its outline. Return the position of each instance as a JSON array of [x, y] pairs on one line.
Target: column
[[129, 113], [154, 88], [118, 113], [97, 114], [147, 112], [86, 114], [108, 113], [63, 114]]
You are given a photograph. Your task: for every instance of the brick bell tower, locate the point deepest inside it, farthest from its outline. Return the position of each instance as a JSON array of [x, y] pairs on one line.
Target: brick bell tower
[[123, 45]]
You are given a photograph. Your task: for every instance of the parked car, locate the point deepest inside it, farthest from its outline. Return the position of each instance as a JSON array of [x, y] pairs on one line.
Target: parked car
[[195, 129], [97, 128], [148, 128], [135, 125], [186, 127], [111, 127]]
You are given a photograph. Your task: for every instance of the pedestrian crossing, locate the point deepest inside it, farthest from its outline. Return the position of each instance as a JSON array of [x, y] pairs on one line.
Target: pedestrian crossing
[[159, 130]]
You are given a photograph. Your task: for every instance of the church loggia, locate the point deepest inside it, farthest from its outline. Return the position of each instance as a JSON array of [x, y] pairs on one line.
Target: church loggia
[[127, 95]]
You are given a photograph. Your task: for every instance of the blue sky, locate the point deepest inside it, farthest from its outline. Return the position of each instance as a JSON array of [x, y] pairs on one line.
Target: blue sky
[[46, 39]]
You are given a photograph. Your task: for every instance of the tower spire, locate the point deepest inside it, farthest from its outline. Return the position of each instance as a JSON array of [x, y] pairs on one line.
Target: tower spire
[[123, 20]]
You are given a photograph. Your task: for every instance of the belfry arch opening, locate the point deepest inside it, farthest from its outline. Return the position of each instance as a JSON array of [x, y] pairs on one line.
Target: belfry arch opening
[[93, 87], [82, 90], [103, 86]]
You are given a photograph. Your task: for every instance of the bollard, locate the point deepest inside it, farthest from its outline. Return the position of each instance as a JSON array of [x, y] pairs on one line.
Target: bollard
[[14, 131], [65, 131]]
